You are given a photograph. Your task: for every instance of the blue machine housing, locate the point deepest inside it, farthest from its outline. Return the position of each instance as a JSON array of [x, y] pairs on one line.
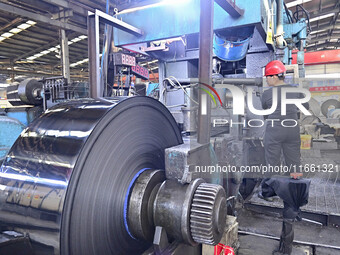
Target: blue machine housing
[[10, 129], [12, 123], [166, 20], [232, 45]]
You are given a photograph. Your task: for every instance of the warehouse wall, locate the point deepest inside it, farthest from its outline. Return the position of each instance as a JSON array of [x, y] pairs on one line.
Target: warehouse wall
[[332, 70]]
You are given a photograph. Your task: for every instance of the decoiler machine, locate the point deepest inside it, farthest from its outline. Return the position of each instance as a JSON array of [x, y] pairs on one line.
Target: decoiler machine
[[116, 175]]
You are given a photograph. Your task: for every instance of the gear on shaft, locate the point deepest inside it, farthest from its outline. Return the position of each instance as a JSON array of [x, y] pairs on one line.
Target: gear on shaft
[[208, 213]]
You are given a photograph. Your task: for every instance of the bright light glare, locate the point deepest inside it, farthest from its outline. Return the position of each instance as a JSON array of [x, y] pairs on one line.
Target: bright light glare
[[175, 2]]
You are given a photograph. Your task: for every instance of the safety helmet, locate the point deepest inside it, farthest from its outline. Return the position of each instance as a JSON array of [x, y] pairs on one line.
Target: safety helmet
[[274, 67]]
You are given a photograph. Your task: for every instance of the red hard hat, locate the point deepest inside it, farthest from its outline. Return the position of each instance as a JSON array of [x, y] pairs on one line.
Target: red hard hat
[[274, 67]]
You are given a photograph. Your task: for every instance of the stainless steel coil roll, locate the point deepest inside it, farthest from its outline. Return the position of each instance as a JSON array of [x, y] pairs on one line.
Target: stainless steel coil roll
[[65, 179]]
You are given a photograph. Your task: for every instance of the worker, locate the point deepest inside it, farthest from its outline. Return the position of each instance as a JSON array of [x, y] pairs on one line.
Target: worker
[[280, 139]]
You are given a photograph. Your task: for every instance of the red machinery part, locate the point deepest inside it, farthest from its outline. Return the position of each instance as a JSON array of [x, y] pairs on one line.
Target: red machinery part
[[319, 57]]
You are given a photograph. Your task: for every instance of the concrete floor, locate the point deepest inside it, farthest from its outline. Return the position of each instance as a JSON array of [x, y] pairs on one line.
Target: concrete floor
[[252, 245], [261, 224]]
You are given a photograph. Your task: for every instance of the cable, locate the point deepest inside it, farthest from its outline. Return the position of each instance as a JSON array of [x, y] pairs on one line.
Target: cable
[[174, 85], [296, 16], [177, 105], [290, 18]]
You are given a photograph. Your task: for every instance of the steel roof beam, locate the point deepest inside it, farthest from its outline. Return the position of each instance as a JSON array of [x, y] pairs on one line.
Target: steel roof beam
[[12, 23], [60, 3], [230, 7], [39, 49], [323, 38], [32, 4], [326, 11], [328, 44], [326, 27], [40, 18], [117, 23]]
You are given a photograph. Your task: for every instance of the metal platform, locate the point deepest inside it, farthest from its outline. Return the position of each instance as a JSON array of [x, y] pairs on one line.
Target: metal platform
[[324, 199]]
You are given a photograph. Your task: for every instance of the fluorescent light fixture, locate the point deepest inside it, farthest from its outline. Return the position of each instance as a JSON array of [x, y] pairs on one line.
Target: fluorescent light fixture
[[24, 26], [79, 62], [15, 30], [56, 48], [38, 55], [317, 31], [31, 22], [294, 3], [77, 39], [322, 17], [7, 35]]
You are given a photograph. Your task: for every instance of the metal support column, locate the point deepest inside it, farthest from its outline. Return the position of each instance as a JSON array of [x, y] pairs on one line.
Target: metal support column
[[301, 61], [65, 56], [93, 45], [205, 69], [279, 26], [12, 75], [105, 60], [93, 48], [161, 76]]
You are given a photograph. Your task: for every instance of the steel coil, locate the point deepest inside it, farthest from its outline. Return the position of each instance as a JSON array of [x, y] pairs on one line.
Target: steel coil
[[329, 104], [64, 181]]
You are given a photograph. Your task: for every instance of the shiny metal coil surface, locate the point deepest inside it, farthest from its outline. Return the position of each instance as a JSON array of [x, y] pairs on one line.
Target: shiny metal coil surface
[[65, 179]]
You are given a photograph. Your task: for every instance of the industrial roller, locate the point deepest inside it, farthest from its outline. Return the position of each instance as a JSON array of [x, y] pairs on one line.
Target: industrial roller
[[329, 104], [87, 177], [26, 92]]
